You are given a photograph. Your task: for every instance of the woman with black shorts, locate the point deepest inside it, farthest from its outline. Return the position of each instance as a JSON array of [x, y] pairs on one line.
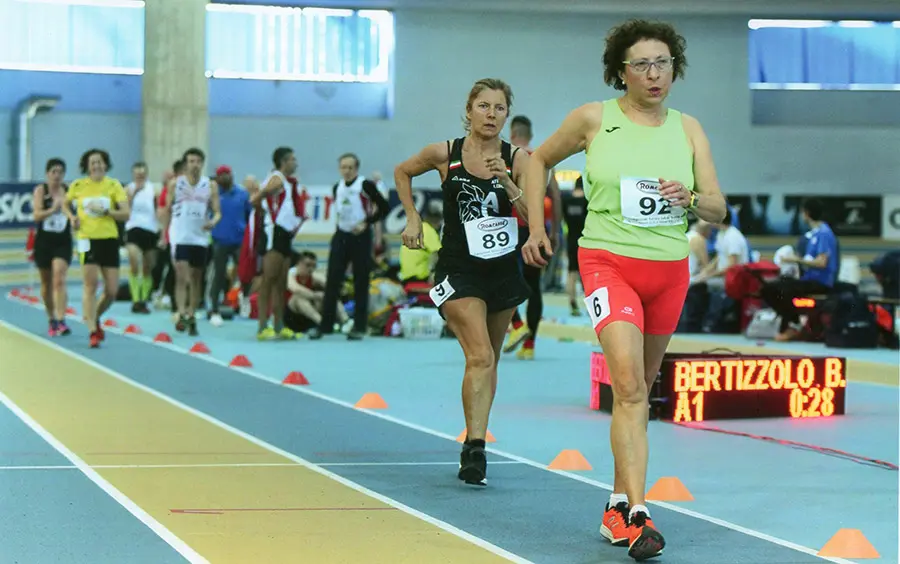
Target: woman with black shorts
[[477, 276], [53, 245]]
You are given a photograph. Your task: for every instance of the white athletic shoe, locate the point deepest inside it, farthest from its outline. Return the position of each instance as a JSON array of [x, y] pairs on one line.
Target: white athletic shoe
[[216, 320]]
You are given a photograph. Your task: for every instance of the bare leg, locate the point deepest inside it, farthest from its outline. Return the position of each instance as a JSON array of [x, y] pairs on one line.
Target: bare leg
[[90, 274], [110, 288], [46, 275], [60, 269], [622, 344]]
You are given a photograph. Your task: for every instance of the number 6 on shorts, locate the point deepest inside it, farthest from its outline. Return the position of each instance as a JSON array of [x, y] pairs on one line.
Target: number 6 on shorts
[[442, 292], [598, 305]]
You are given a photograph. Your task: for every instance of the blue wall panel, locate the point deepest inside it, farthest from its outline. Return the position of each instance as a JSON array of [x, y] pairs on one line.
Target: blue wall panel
[[92, 93]]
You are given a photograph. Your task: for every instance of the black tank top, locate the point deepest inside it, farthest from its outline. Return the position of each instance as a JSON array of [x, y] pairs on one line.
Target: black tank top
[[58, 232], [466, 198]]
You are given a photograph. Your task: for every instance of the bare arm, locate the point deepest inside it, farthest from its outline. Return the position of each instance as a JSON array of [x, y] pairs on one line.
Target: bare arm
[[710, 203], [432, 157], [556, 199], [165, 212], [121, 209], [698, 249], [572, 137], [271, 187], [214, 205], [517, 195], [37, 204]]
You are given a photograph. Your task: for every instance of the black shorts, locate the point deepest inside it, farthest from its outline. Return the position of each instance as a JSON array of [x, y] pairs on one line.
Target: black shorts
[[46, 251], [142, 239], [100, 252], [572, 253], [500, 290], [282, 241], [194, 255]]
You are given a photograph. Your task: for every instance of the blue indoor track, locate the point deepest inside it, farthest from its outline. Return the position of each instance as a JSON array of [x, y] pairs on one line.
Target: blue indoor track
[[63, 420]]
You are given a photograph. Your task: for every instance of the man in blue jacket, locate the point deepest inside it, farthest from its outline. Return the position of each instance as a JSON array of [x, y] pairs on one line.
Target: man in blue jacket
[[820, 268], [227, 236]]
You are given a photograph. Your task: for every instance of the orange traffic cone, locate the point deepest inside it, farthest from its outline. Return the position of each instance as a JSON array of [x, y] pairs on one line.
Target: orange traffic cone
[[371, 401], [669, 489], [570, 460], [849, 543]]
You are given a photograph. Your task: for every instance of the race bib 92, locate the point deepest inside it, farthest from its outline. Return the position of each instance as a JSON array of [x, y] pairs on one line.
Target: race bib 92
[[492, 237], [644, 207]]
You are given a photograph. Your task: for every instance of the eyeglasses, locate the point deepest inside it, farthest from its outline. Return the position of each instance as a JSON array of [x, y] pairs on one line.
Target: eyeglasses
[[643, 65]]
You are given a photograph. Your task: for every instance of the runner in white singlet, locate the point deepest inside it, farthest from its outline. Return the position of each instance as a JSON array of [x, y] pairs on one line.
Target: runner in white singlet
[[141, 237], [189, 205], [277, 200]]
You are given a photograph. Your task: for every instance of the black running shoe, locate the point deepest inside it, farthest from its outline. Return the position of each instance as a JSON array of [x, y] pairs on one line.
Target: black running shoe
[[192, 326], [645, 541], [473, 465]]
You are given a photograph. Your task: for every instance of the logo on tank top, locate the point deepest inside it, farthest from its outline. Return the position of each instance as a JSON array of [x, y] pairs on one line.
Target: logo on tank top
[[474, 203], [648, 186], [611, 129]]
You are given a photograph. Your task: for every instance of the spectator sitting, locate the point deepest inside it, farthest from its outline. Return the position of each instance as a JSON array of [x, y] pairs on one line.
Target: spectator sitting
[[306, 292], [417, 265], [731, 249], [697, 299], [819, 265]]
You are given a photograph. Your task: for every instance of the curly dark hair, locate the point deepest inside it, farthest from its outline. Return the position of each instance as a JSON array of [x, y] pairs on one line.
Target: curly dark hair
[[622, 37], [83, 161]]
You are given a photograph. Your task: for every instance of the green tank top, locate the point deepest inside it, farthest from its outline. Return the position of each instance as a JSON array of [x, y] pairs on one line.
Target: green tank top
[[625, 161]]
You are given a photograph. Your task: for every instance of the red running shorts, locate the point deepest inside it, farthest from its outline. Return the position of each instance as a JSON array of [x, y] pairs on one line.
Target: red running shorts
[[647, 293]]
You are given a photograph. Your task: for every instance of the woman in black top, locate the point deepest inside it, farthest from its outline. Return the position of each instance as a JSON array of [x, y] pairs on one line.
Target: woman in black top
[[53, 244], [478, 279]]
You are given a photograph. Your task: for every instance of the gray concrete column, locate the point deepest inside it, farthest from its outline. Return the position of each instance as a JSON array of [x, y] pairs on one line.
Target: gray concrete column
[[175, 91]]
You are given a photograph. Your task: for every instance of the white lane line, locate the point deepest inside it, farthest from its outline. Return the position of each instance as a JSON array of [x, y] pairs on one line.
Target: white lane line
[[241, 465], [165, 534], [259, 442], [589, 481]]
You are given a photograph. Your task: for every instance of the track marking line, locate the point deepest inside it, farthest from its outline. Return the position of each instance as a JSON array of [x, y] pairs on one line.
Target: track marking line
[[477, 541], [161, 531], [304, 390], [242, 465]]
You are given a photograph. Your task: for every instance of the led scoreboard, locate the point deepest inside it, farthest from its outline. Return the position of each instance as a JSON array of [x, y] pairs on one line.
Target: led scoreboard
[[701, 387]]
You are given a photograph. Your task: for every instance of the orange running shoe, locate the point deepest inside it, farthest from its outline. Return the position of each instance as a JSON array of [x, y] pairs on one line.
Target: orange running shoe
[[95, 339], [615, 524], [644, 540]]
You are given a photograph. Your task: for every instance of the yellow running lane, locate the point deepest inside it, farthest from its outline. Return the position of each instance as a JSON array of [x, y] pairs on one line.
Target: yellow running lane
[[283, 512]]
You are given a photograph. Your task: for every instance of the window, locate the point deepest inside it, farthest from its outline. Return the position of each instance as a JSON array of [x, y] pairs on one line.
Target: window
[[824, 55], [309, 44], [88, 36]]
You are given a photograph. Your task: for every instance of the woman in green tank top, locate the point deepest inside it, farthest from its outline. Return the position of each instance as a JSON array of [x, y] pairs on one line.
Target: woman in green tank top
[[646, 166]]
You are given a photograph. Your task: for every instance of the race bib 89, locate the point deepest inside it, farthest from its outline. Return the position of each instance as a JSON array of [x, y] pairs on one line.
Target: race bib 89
[[56, 223], [492, 237], [644, 207]]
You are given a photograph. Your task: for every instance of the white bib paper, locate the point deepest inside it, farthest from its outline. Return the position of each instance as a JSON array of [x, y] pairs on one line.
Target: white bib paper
[[492, 237], [56, 223], [96, 206], [442, 292], [644, 207], [190, 209], [598, 305]]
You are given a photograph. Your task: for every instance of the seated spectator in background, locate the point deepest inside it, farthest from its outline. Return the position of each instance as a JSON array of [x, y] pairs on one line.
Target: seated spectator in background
[[697, 300], [306, 292], [417, 265], [731, 249], [819, 266]]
